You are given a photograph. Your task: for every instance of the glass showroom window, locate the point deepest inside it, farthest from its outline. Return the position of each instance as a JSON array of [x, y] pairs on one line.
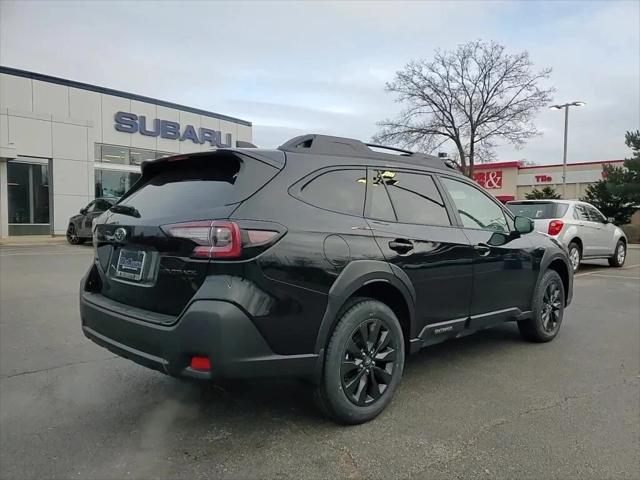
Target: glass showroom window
[[138, 156], [112, 154], [28, 186], [110, 183], [126, 155]]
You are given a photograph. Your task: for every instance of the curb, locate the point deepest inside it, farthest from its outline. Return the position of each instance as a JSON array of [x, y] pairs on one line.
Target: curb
[[32, 241]]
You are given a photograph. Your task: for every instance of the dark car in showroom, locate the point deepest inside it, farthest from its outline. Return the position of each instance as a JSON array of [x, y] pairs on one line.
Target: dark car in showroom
[[79, 228], [326, 259]]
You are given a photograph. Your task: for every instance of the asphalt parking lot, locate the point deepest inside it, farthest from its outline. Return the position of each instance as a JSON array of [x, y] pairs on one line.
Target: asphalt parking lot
[[485, 406]]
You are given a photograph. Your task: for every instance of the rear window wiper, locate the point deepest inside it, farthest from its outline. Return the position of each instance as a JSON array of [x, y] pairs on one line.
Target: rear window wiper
[[125, 210]]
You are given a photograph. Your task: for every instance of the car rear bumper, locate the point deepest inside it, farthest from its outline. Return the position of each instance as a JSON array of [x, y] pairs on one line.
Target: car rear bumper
[[218, 330]]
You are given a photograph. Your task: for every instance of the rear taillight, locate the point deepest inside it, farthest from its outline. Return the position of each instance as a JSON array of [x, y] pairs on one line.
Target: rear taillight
[[555, 226], [218, 238], [260, 237]]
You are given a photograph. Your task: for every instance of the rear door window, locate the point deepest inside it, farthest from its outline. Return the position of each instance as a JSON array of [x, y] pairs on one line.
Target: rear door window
[[415, 197], [595, 215], [580, 213], [380, 208], [340, 191]]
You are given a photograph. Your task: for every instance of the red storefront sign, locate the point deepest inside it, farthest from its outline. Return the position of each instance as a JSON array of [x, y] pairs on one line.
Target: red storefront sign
[[543, 178], [491, 179]]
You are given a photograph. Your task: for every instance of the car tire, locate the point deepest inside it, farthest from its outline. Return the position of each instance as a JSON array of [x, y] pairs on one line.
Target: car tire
[[548, 310], [360, 375], [72, 235], [619, 255], [575, 255]]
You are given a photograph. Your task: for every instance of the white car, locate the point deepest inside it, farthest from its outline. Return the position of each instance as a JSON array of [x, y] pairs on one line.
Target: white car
[[579, 226]]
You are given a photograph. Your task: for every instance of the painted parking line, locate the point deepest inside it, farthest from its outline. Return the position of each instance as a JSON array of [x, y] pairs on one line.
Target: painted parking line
[[42, 244], [32, 254], [598, 273], [625, 277]]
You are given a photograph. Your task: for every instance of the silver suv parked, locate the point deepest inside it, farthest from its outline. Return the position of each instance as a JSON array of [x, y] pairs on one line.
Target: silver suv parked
[[579, 226]]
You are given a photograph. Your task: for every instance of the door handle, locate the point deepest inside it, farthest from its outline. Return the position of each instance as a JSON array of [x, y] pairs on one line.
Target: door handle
[[401, 245], [482, 249]]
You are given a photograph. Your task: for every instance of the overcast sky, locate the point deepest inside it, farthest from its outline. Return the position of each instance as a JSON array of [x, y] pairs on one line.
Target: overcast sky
[[306, 67]]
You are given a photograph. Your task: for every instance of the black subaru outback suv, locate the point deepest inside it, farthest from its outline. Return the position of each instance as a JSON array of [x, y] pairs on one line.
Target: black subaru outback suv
[[325, 259]]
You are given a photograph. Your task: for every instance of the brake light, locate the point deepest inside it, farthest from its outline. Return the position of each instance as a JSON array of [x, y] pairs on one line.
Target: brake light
[[215, 239], [555, 226], [218, 238]]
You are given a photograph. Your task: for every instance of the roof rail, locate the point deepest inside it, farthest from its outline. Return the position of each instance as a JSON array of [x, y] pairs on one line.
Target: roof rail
[[385, 147], [325, 145], [349, 147], [450, 163]]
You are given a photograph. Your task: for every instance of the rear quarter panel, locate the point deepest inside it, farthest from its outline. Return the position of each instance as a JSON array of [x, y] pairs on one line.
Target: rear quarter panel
[[547, 250], [570, 231], [299, 271]]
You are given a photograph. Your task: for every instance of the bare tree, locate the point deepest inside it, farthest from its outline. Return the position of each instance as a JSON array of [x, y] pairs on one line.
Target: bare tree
[[473, 96]]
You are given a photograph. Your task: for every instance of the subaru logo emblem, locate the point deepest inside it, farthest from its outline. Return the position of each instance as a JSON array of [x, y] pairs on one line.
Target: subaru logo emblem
[[120, 234]]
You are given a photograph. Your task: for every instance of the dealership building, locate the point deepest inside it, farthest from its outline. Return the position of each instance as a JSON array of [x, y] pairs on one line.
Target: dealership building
[[64, 143]]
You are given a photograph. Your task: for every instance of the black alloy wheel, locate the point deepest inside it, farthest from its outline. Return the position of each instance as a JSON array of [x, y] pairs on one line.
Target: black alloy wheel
[[551, 308], [368, 363], [363, 362], [72, 235], [548, 309]]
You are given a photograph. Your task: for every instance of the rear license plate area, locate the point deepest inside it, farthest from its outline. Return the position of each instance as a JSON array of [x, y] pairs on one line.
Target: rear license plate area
[[131, 264]]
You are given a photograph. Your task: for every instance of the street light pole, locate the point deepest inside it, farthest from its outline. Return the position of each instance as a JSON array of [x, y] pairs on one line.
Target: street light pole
[[566, 131], [564, 156]]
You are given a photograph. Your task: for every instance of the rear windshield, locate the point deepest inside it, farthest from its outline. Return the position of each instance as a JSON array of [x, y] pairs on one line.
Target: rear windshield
[[535, 210], [187, 186]]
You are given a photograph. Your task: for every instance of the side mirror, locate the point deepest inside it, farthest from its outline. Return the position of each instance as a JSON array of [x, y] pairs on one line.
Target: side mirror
[[83, 211], [611, 220], [523, 225]]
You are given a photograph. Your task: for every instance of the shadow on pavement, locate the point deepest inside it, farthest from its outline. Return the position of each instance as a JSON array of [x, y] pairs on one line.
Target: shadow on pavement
[[292, 400]]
